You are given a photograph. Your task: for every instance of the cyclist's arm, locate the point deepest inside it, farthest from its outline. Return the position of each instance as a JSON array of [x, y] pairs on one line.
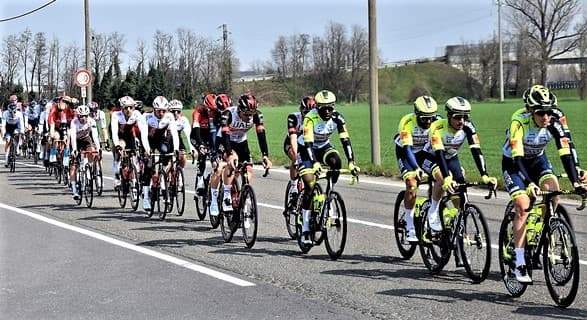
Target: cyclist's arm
[[187, 131], [260, 128], [103, 126], [144, 131], [114, 129], [225, 120], [475, 146], [292, 131], [309, 137], [516, 137], [405, 128], [560, 117], [435, 135], [73, 136], [196, 134], [95, 135], [564, 151], [344, 136]]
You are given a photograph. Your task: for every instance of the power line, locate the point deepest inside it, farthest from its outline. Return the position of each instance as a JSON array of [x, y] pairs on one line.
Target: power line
[[28, 12]]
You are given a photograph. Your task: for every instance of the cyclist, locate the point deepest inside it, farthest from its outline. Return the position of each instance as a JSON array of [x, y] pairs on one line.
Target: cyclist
[[203, 134], [83, 134], [314, 149], [234, 124], [163, 137], [410, 140], [526, 168], [126, 124], [182, 126], [100, 118], [60, 116], [295, 121], [446, 136], [44, 130], [12, 125]]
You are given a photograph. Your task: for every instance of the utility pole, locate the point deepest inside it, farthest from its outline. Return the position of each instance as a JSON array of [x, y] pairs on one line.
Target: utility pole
[[88, 46], [373, 85], [226, 63], [501, 94]]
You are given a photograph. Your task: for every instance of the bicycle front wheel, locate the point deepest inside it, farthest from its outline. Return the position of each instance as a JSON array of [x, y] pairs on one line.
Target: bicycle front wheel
[[249, 217], [475, 244], [134, 189], [122, 191], [164, 195], [434, 254], [89, 186], [80, 183], [98, 179], [180, 192], [335, 226], [561, 263], [289, 212]]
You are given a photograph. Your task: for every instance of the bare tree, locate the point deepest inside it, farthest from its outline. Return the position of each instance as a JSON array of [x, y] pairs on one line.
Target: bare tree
[[10, 58], [100, 55], [551, 27], [116, 42], [140, 56], [41, 59], [71, 59], [25, 43], [164, 50], [358, 60], [582, 74], [280, 54]]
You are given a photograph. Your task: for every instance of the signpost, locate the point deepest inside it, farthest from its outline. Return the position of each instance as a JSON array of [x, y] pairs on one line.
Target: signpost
[[82, 79]]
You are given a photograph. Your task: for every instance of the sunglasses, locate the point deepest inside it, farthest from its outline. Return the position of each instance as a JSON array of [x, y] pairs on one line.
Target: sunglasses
[[176, 111], [426, 118], [84, 116], [128, 107], [461, 117], [542, 113]]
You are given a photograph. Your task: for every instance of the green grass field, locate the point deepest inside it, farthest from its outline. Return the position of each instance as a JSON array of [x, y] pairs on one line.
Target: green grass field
[[490, 118]]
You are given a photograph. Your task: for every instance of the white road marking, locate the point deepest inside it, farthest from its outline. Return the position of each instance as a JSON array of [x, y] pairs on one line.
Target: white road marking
[[133, 247], [356, 221]]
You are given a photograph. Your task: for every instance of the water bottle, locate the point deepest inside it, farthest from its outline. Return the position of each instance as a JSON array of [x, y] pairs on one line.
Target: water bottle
[[53, 155], [531, 225], [66, 157]]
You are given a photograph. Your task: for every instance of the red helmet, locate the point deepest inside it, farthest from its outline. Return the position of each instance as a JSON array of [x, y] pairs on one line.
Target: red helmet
[[223, 101], [247, 103], [307, 103], [209, 101]]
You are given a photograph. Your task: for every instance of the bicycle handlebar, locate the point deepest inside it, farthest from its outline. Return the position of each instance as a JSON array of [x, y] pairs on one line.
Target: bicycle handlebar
[[492, 188], [547, 195]]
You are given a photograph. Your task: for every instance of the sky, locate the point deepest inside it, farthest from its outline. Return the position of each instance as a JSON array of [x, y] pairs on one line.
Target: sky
[[405, 29]]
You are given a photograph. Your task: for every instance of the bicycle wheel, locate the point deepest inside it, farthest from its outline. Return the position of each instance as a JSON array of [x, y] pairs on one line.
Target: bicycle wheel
[[80, 183], [432, 251], [335, 226], [249, 215], [289, 212], [228, 225], [179, 192], [507, 256], [89, 186], [155, 202], [134, 190], [201, 200], [561, 263], [305, 248], [122, 190], [475, 244], [406, 249], [164, 195], [214, 220], [98, 178], [12, 157], [34, 153]]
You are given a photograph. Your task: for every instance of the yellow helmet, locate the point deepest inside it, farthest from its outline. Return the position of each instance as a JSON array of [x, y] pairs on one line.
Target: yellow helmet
[[324, 98], [425, 106], [538, 98]]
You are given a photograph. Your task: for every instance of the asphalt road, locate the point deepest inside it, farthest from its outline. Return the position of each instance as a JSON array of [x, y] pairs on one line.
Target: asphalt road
[[369, 281]]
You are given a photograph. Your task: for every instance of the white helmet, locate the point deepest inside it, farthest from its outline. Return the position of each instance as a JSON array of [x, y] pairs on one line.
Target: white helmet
[[175, 105], [126, 101], [457, 105], [160, 103], [83, 110]]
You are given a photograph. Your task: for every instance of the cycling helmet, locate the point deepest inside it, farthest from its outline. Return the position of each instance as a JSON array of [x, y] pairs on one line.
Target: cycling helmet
[[209, 100], [306, 104], [175, 105], [126, 101], [43, 102], [33, 103], [223, 101], [160, 103], [425, 106], [138, 105], [247, 103], [94, 106], [458, 106], [74, 101], [83, 110], [538, 97], [324, 98], [12, 107], [66, 100]]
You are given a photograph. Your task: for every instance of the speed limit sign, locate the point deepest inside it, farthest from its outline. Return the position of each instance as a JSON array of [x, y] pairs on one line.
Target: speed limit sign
[[82, 78]]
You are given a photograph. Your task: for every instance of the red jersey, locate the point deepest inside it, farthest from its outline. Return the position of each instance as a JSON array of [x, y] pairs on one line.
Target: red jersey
[[57, 116], [201, 117]]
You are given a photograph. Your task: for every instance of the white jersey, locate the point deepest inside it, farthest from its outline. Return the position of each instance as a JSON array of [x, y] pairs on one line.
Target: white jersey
[[44, 121], [166, 123], [119, 122], [183, 125], [83, 131], [100, 118], [236, 127], [14, 119]]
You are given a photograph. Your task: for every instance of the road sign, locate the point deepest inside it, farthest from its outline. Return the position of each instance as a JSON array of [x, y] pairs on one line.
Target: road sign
[[82, 78], [84, 94]]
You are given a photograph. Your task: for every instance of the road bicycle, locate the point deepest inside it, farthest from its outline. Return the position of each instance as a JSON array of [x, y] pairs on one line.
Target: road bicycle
[[84, 178], [159, 191], [547, 230], [176, 187], [244, 213], [12, 153], [130, 185], [464, 234], [289, 205], [328, 220], [201, 197]]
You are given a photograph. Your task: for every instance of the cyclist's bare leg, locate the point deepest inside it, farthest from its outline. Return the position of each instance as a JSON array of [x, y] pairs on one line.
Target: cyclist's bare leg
[[293, 171], [411, 191], [550, 183]]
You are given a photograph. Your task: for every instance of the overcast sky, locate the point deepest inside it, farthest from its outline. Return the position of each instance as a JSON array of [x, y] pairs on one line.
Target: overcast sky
[[406, 29]]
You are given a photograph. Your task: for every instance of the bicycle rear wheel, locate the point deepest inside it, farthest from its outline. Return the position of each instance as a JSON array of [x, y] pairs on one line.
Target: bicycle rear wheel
[[155, 202], [561, 263], [475, 244], [80, 184], [248, 213], [507, 255], [89, 186], [406, 249], [122, 190], [98, 179], [201, 200], [134, 190], [335, 226], [164, 195], [228, 224], [289, 212], [180, 192]]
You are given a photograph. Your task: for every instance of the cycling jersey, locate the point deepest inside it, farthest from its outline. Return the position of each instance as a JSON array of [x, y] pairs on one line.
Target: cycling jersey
[[162, 132], [183, 125], [100, 117], [84, 135], [127, 128], [234, 131], [444, 137], [44, 122], [525, 139], [295, 121], [12, 122], [411, 134], [57, 116], [318, 131]]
